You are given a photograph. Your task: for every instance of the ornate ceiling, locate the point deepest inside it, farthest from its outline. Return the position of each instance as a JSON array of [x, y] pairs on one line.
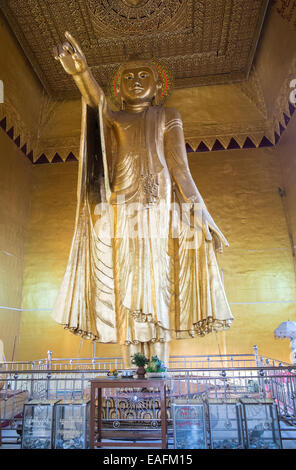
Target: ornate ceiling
[[201, 41]]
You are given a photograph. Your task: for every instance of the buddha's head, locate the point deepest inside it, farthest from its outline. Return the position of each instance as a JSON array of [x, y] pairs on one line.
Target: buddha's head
[[138, 83]]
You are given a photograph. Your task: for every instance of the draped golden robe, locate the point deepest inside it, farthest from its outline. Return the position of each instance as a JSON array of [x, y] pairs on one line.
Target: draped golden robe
[[128, 279]]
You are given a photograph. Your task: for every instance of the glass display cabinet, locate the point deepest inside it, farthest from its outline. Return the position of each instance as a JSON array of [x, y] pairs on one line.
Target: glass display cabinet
[[261, 424], [189, 422], [71, 425], [38, 425], [225, 422]]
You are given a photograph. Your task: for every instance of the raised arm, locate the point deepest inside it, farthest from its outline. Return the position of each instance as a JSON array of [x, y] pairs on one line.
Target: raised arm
[[74, 63], [176, 157]]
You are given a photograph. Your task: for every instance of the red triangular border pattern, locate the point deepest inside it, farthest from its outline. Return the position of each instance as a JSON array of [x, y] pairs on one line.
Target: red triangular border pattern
[[71, 158], [291, 109], [189, 149], [42, 159], [286, 118], [282, 129], [30, 156], [217, 146], [10, 133], [202, 147], [24, 149], [57, 159], [265, 142], [17, 141], [233, 145], [3, 124], [249, 144]]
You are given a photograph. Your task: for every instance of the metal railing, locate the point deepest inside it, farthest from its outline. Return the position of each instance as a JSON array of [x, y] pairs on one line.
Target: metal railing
[[103, 363], [218, 377]]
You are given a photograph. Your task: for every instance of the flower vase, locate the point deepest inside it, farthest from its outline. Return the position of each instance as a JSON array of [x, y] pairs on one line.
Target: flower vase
[[141, 371]]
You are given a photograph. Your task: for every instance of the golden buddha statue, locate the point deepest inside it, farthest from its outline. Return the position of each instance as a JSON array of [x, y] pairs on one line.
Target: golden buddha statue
[[142, 269]]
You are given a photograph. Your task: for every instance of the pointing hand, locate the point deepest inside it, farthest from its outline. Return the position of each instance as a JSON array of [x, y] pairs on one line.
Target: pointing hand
[[71, 56]]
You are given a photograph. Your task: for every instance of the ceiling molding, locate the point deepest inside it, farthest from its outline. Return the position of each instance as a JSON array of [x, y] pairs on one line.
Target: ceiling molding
[[202, 42], [287, 10]]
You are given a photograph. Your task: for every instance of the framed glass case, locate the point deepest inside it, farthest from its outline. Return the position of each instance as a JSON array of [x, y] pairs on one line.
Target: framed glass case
[[261, 424], [71, 425], [38, 425], [225, 421], [189, 422]]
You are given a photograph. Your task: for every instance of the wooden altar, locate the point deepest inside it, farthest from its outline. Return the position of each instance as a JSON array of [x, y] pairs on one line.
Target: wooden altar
[[97, 385]]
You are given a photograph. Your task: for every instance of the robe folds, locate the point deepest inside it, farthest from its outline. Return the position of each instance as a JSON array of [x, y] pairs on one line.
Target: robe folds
[[131, 275]]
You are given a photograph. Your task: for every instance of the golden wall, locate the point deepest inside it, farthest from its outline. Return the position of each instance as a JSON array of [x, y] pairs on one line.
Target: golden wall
[[51, 230], [22, 103], [241, 191], [15, 197]]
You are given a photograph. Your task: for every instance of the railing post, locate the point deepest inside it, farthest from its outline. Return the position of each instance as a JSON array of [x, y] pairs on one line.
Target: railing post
[[255, 348], [82, 386], [48, 386], [293, 393], [262, 383], [49, 357], [32, 386], [15, 393]]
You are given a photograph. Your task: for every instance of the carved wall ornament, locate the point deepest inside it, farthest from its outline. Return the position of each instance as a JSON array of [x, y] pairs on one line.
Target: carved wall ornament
[[287, 10], [134, 3], [202, 42], [125, 17], [282, 106], [213, 42], [253, 89]]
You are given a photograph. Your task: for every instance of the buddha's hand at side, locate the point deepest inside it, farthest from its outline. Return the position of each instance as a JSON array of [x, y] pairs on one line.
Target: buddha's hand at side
[[212, 231], [71, 56], [202, 219]]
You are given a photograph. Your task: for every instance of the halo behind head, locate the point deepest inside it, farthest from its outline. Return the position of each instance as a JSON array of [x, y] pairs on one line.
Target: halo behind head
[[160, 72]]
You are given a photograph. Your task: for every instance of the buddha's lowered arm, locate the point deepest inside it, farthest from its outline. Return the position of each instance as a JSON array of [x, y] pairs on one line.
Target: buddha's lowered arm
[[176, 157]]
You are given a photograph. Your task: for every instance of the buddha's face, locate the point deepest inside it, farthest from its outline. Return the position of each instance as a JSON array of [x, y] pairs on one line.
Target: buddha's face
[[138, 85]]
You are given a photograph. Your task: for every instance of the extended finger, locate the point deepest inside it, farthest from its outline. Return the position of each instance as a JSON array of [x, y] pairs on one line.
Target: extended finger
[[62, 52], [56, 53], [73, 42], [207, 232], [67, 47], [59, 52], [218, 243]]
